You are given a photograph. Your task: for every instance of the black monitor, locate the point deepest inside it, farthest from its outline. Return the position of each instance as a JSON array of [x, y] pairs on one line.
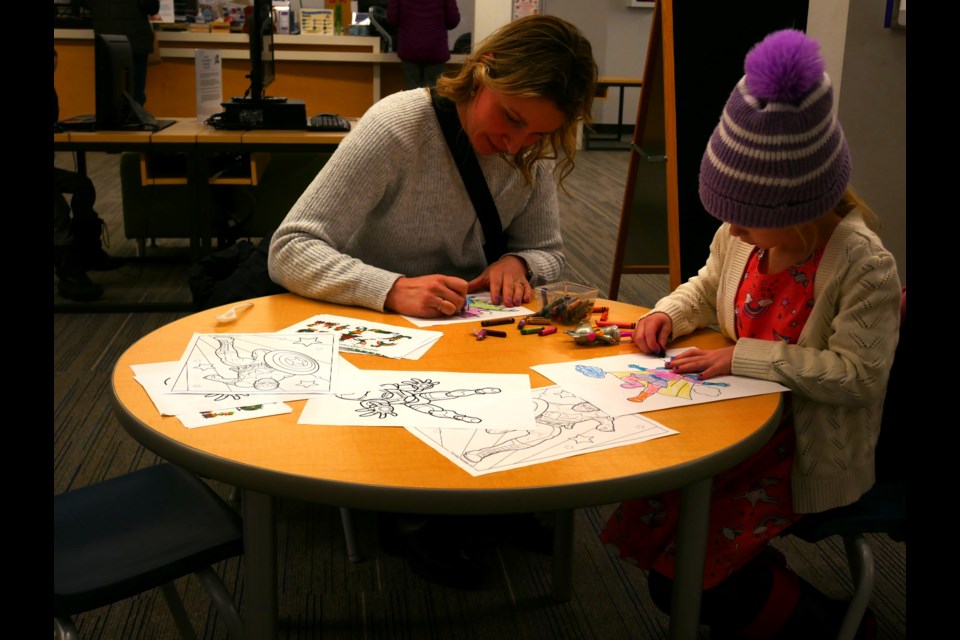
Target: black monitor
[[116, 108], [261, 49]]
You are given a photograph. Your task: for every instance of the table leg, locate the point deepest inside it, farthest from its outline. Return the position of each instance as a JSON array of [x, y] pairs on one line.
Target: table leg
[[561, 580], [691, 554], [260, 565]]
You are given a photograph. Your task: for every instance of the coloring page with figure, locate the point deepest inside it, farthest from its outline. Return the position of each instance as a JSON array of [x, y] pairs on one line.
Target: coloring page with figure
[[636, 383], [567, 426], [478, 307]]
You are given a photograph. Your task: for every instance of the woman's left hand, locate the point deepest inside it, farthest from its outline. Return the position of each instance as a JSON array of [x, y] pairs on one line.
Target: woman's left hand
[[706, 363], [506, 279]]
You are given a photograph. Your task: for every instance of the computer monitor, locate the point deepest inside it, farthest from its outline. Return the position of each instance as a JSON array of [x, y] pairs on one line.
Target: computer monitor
[[262, 69], [116, 109]]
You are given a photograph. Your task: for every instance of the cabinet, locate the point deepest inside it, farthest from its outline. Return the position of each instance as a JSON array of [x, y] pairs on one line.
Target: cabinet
[[694, 59]]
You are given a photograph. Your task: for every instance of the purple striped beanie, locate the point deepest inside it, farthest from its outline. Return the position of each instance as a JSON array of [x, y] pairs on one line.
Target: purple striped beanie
[[778, 157]]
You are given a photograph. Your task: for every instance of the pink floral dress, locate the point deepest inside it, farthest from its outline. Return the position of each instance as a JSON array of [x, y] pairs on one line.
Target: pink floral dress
[[751, 503]]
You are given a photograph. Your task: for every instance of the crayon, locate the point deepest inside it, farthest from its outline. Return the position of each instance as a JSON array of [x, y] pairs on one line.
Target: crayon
[[480, 333], [496, 334], [536, 320], [621, 325], [547, 330], [498, 321], [530, 331]]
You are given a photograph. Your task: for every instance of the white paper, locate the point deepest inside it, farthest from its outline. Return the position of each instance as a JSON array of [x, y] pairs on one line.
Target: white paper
[[568, 426], [372, 338], [451, 399], [207, 418], [636, 383], [208, 64], [479, 307], [259, 363]]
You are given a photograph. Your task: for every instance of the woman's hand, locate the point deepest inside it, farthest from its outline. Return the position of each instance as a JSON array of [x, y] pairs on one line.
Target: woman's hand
[[653, 332], [432, 296], [506, 279], [707, 363]]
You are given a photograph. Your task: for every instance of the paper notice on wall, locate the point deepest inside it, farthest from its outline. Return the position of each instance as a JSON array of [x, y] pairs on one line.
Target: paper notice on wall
[[209, 67]]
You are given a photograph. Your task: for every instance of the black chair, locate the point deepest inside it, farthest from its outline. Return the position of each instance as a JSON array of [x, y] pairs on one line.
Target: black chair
[[130, 534], [882, 510]]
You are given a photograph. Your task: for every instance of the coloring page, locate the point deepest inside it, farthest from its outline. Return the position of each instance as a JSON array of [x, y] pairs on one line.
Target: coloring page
[[478, 307], [259, 363], [372, 338], [636, 383], [568, 426], [206, 418], [451, 399]]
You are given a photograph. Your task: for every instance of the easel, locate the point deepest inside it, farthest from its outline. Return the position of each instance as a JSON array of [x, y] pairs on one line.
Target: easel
[[647, 239], [694, 59]]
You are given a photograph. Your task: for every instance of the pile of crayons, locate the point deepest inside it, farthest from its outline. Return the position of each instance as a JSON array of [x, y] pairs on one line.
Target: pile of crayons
[[604, 331]]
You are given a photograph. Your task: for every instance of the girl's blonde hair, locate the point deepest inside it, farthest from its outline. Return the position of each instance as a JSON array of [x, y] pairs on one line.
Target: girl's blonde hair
[[534, 57]]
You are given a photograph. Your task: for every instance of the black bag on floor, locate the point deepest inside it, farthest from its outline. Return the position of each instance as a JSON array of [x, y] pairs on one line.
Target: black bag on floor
[[236, 273]]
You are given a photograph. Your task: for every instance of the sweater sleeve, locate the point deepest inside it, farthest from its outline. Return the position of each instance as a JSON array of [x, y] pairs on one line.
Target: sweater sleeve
[[844, 353], [693, 304]]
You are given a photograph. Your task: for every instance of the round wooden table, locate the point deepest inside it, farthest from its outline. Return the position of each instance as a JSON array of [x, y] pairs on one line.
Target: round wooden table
[[389, 469]]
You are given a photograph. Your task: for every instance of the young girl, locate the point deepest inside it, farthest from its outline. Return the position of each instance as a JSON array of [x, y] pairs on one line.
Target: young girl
[[800, 282]]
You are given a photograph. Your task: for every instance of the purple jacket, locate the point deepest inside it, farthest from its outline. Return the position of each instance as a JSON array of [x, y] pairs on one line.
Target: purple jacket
[[422, 27]]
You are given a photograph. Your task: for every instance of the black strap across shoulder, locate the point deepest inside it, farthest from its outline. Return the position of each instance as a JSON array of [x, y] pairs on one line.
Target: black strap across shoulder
[[463, 154]]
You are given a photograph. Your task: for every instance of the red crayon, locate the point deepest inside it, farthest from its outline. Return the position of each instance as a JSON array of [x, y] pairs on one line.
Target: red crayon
[[622, 325], [548, 330]]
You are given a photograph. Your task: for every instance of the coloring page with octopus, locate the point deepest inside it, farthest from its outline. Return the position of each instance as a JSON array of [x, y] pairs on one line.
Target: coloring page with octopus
[[624, 384], [430, 398]]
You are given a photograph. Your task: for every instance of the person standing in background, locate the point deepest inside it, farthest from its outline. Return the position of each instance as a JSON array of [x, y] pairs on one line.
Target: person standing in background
[[129, 18], [422, 46]]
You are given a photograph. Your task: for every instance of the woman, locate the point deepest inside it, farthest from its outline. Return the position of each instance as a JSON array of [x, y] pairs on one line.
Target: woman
[[388, 224]]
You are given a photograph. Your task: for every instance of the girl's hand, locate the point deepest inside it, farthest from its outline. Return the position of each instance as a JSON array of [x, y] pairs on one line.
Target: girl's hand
[[707, 363], [652, 333]]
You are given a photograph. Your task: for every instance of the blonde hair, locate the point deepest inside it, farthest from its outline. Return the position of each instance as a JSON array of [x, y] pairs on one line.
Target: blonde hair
[[849, 201], [534, 57]]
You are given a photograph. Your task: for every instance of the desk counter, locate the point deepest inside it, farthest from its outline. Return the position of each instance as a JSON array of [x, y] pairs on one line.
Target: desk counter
[[341, 74]]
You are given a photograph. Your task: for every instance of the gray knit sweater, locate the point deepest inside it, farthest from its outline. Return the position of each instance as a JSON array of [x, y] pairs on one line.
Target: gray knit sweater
[[390, 203], [839, 367]]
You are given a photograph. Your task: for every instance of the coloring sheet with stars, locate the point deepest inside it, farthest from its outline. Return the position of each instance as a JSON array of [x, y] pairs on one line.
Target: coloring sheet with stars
[[566, 426], [259, 363]]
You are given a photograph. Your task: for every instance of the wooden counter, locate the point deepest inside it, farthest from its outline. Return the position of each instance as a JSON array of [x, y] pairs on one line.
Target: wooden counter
[[341, 74]]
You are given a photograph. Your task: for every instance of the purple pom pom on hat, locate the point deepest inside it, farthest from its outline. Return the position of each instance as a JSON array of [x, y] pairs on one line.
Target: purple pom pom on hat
[[778, 157]]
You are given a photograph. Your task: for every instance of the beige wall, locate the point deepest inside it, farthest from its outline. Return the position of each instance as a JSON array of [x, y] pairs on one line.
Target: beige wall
[[872, 76]]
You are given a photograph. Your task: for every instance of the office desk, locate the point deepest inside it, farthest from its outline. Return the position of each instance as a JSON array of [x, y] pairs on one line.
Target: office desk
[[384, 469], [198, 143], [604, 84]]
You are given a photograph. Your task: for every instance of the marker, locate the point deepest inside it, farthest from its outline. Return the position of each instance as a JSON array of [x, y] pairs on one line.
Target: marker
[[548, 330], [493, 323]]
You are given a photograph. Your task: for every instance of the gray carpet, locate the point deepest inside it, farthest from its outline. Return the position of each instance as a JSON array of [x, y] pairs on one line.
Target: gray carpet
[[322, 594]]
